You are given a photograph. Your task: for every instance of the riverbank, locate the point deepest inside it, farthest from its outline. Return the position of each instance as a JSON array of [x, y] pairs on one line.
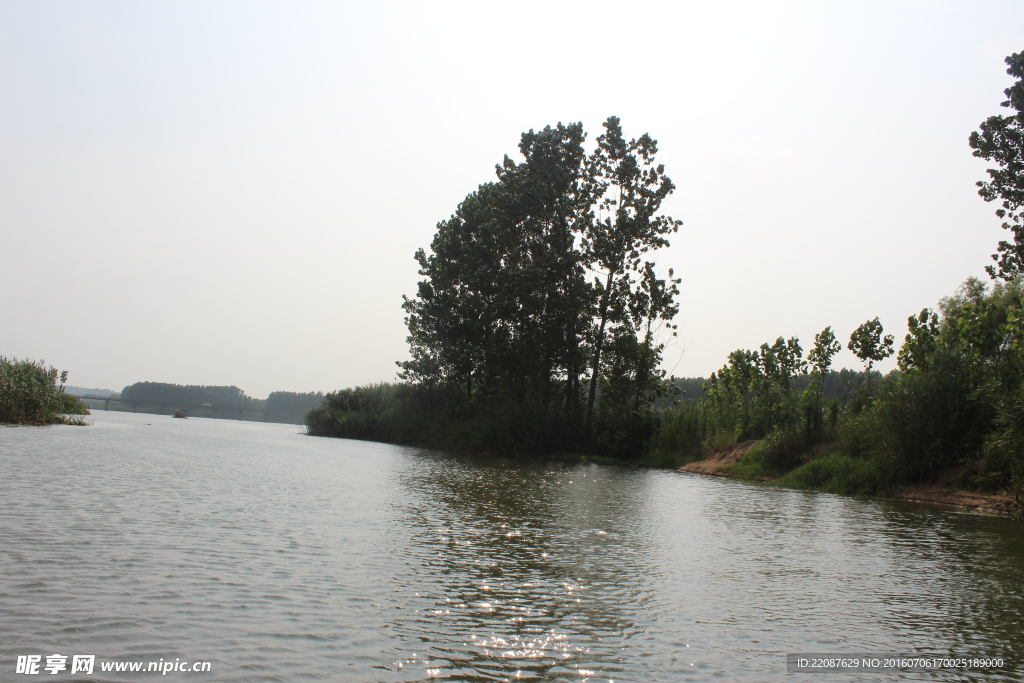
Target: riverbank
[[729, 463]]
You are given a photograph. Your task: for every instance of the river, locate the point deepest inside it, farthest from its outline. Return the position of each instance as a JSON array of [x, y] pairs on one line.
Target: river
[[277, 556]]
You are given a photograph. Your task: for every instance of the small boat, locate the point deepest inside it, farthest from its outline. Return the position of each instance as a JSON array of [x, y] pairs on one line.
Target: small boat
[[182, 413]]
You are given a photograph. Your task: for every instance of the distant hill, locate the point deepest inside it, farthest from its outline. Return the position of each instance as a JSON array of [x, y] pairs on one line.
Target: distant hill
[[83, 391]]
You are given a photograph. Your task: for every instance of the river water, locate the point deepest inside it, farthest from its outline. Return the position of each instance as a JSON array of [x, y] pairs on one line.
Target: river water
[[277, 556]]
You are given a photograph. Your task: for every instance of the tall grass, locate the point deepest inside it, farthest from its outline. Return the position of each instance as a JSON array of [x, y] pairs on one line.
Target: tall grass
[[682, 435], [442, 417], [838, 473], [391, 413], [29, 394]]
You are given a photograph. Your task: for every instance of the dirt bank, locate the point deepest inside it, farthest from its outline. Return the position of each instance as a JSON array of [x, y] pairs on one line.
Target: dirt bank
[[716, 460]]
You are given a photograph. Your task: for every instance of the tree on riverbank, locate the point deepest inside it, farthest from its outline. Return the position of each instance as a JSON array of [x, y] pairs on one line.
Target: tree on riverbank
[[534, 330], [543, 278], [1001, 139]]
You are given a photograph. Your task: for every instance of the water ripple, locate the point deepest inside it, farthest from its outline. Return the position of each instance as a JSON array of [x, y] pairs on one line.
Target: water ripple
[[280, 557]]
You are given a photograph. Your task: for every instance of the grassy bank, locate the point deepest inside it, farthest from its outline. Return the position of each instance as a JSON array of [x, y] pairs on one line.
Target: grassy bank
[[30, 394]]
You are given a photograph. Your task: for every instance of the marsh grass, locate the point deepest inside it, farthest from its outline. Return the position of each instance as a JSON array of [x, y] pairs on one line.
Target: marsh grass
[[29, 394]]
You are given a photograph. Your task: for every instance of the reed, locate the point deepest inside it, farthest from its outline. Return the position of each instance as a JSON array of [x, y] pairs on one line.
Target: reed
[[30, 394]]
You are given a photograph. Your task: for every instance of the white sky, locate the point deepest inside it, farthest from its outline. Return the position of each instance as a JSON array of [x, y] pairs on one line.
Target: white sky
[[232, 192]]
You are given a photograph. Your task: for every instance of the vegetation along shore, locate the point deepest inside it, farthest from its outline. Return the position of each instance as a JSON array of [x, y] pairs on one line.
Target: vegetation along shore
[[223, 402], [30, 394], [539, 325]]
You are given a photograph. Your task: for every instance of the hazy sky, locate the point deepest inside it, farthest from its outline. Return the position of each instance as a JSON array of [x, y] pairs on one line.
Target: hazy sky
[[231, 192]]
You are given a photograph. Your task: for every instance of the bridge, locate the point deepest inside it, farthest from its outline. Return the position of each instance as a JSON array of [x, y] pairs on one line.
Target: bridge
[[200, 411]]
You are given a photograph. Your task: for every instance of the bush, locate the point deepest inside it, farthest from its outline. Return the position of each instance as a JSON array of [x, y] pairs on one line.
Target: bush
[[70, 405], [838, 473], [29, 394], [921, 422], [782, 449]]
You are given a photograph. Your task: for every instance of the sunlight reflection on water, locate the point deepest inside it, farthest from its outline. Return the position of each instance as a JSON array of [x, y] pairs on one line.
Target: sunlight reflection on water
[[278, 556]]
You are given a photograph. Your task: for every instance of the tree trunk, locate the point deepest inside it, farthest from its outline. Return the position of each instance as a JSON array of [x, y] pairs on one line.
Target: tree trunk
[[597, 349], [572, 399]]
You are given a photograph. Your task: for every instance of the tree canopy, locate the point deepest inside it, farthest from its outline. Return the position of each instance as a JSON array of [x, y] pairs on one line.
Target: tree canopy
[[1001, 139], [542, 282]]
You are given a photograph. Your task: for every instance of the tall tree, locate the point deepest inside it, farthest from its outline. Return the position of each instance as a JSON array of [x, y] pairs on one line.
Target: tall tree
[[920, 342], [507, 306], [554, 197], [1001, 139], [819, 360], [460, 316], [631, 187]]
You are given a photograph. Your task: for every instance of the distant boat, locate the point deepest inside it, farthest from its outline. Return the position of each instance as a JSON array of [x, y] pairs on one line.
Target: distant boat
[[183, 413]]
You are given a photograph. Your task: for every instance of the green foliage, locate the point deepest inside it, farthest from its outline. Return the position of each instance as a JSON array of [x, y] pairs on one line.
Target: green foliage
[[439, 416], [837, 473], [630, 190], [1003, 465], [956, 398], [750, 468], [221, 397], [541, 270], [753, 395], [291, 402], [868, 344], [812, 400], [920, 342], [29, 394], [825, 348], [921, 423], [781, 450], [681, 435], [70, 405], [1001, 139], [548, 267], [366, 413], [764, 393]]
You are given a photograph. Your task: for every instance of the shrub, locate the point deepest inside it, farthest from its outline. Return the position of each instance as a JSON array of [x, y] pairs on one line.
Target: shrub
[[838, 473], [29, 394], [782, 449]]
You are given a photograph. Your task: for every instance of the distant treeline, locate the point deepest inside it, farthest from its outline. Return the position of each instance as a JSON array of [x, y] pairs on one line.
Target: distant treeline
[[89, 391], [838, 384], [221, 397]]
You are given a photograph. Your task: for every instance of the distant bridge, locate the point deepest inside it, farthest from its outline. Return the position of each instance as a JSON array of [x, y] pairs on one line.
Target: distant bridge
[[205, 411]]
